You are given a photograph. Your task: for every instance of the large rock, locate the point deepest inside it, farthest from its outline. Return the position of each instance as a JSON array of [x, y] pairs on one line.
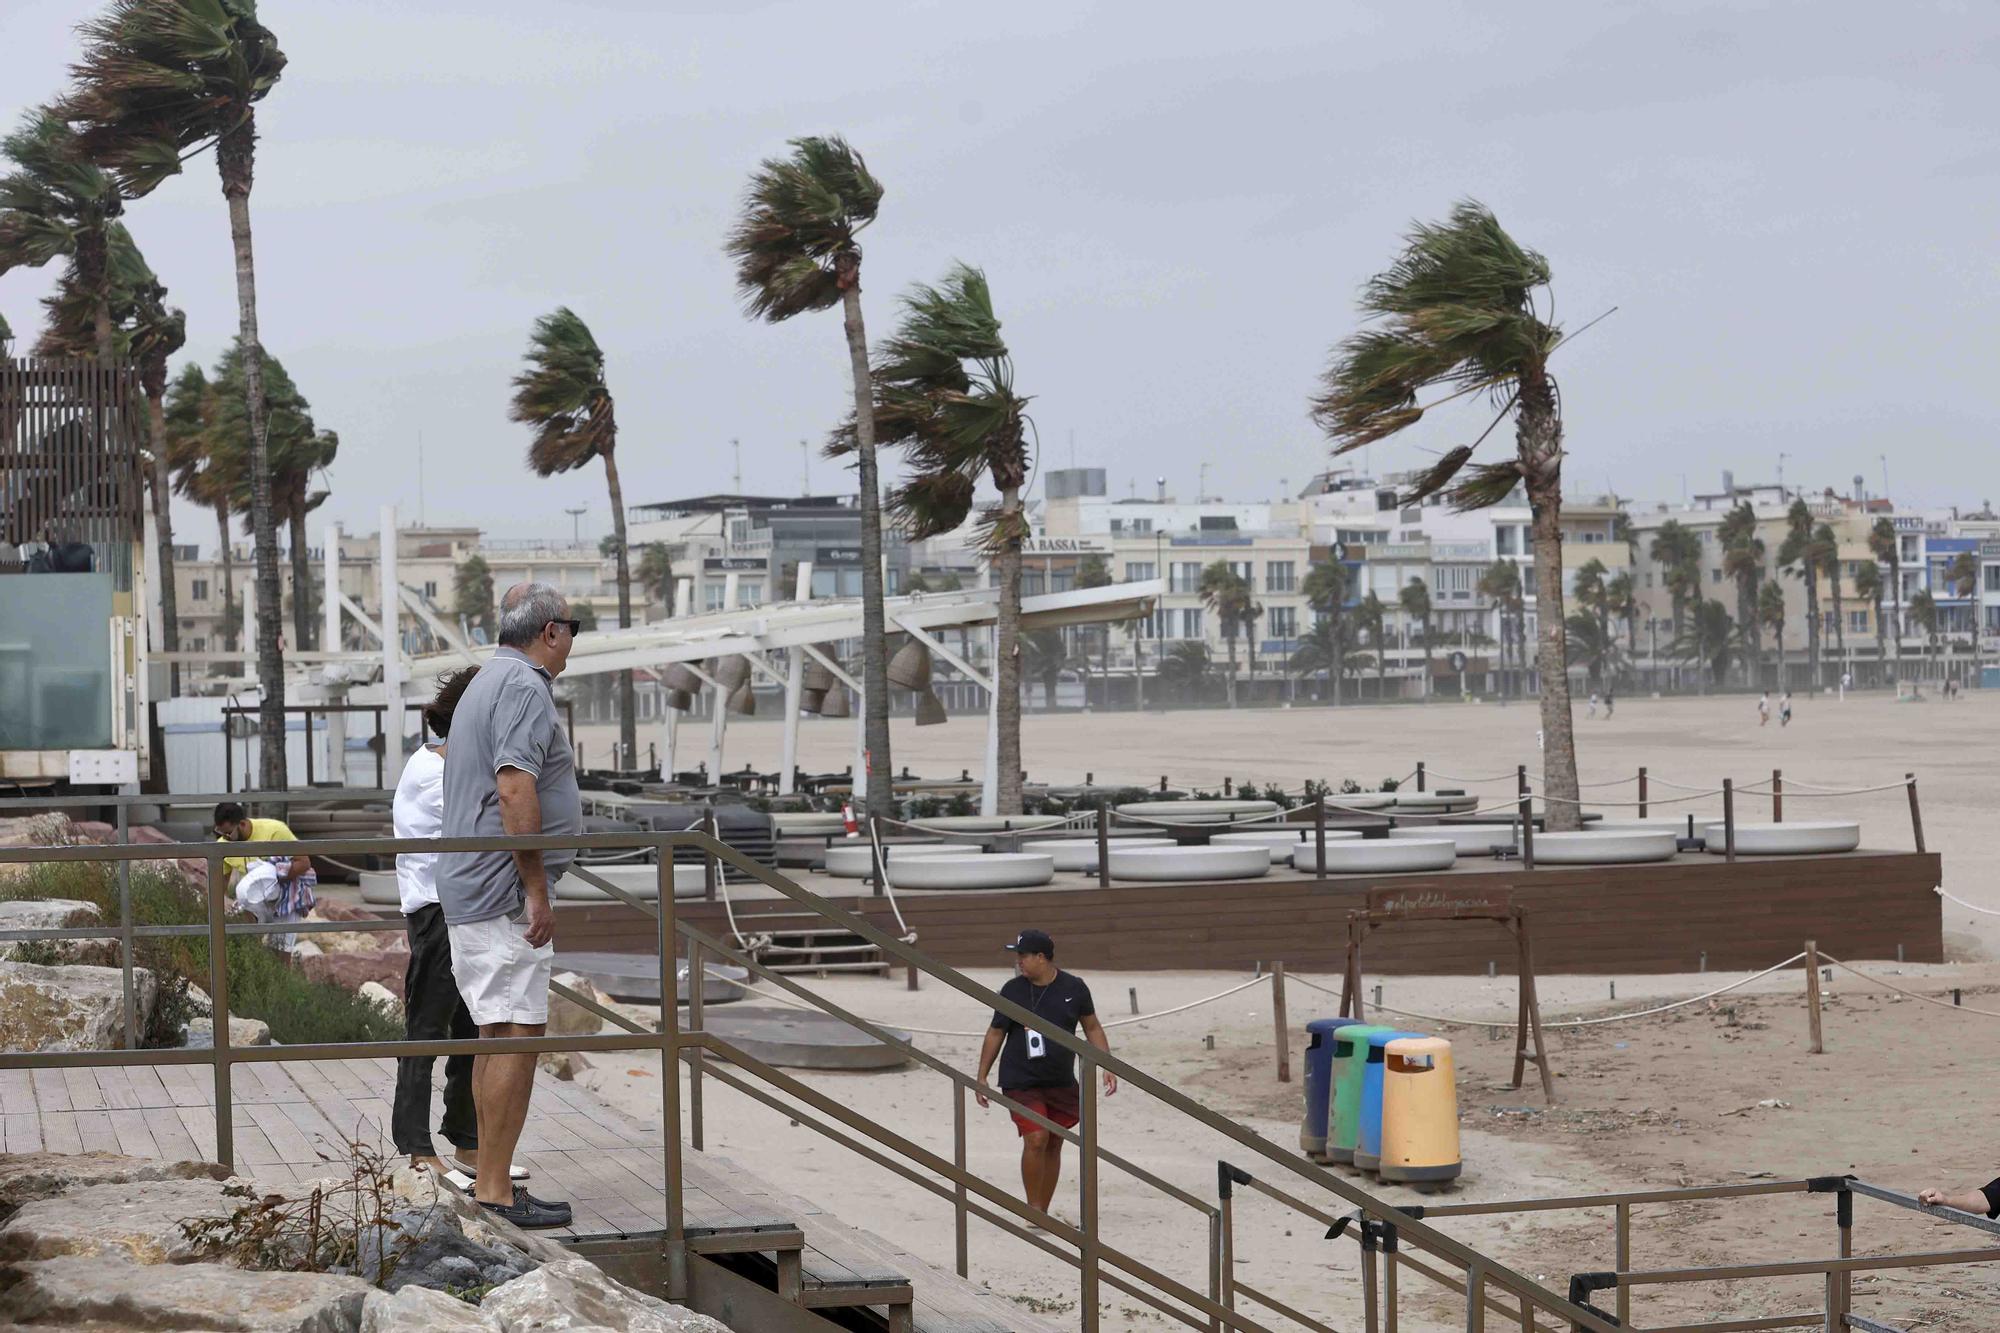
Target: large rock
[[137, 1221], [420, 1310], [577, 1295], [114, 1293], [68, 1008], [421, 1189], [381, 997], [47, 829], [242, 1032], [26, 1177], [569, 1019], [349, 970], [58, 914], [348, 941]]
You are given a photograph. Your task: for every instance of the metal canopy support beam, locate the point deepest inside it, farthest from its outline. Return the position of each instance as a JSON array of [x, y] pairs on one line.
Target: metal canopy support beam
[[353, 608], [788, 764], [450, 635], [839, 672], [719, 724], [392, 646], [931, 642], [670, 718]]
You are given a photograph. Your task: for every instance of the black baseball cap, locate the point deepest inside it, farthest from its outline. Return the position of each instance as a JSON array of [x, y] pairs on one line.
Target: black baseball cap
[[1033, 941]]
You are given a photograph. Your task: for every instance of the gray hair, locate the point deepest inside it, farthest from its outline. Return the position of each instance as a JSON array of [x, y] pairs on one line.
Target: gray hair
[[525, 610]]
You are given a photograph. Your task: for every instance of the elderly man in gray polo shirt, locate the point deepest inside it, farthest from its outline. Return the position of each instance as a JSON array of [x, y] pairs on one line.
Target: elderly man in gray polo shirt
[[509, 770]]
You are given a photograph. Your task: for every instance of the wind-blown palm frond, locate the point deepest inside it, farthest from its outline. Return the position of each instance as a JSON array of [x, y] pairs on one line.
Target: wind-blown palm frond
[[799, 220], [561, 394]]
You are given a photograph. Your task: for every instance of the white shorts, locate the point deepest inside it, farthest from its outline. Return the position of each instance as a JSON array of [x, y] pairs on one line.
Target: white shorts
[[501, 977]]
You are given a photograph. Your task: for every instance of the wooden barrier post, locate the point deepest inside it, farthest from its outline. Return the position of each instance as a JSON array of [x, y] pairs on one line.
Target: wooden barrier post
[[1319, 836], [707, 858], [1520, 779], [1812, 996], [1278, 1021], [1777, 796], [1729, 819], [1916, 811], [1527, 832], [1642, 791], [1103, 846]]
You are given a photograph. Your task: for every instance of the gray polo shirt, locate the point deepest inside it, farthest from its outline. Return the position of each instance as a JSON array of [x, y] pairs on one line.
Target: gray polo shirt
[[505, 719]]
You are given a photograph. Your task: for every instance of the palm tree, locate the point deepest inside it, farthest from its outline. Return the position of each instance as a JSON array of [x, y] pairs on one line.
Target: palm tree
[[1677, 551], [1796, 552], [146, 331], [795, 251], [1325, 588], [1964, 577], [56, 204], [1743, 564], [1708, 639], [1868, 585], [1459, 309], [1226, 594], [1825, 551], [472, 593], [1500, 584], [1043, 656], [1887, 548], [656, 574], [1623, 602], [1093, 572], [1371, 618], [1324, 648], [207, 469], [1186, 665], [944, 391], [1771, 611], [1415, 599], [159, 81], [1923, 613], [1591, 645], [562, 395]]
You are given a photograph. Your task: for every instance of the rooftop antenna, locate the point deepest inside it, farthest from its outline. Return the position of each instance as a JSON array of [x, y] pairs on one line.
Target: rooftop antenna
[[1072, 449], [576, 522], [1782, 456], [420, 479], [736, 478], [1885, 476]]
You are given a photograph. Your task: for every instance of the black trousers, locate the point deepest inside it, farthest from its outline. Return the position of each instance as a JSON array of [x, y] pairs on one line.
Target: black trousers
[[432, 1011]]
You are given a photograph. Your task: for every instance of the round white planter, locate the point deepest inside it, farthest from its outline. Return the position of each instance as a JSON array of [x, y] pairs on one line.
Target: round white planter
[[1342, 802], [1786, 839], [1081, 853], [1592, 848], [1198, 812], [854, 860], [1302, 855], [378, 888], [995, 870], [1430, 803], [1677, 827], [1189, 863], [1470, 839], [1280, 841], [1373, 856], [807, 823], [642, 882], [987, 823]]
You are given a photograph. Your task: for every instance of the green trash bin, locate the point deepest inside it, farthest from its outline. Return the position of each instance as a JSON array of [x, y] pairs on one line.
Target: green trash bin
[[1350, 1060]]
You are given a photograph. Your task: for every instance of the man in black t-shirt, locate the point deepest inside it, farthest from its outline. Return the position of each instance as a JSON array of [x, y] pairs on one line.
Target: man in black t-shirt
[[1039, 1073], [1985, 1199]]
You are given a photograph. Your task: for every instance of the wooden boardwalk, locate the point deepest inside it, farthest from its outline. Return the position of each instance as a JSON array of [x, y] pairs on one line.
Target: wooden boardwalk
[[295, 1119]]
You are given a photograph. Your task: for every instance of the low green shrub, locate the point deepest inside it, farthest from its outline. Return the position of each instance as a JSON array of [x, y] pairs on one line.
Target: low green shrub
[[262, 982]]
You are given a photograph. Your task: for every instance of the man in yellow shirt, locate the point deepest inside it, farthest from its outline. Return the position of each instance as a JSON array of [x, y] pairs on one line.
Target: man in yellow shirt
[[270, 889], [234, 824]]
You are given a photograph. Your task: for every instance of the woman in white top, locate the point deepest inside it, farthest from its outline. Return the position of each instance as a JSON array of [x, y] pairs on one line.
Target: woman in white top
[[432, 1008]]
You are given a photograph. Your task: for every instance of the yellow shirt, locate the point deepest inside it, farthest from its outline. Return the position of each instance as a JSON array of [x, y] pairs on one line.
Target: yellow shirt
[[261, 830]]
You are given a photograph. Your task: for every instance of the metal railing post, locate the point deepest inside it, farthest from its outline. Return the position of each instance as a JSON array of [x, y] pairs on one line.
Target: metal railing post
[[1916, 811], [958, 1187], [1420, 775], [1389, 1262], [1371, 1312], [710, 871], [1087, 1184], [218, 1017], [1527, 832], [1475, 1299], [1624, 1262], [670, 1082], [1843, 1216], [1319, 835], [125, 928], [1215, 1264], [1103, 846], [697, 983], [1777, 796], [1642, 791], [1729, 819]]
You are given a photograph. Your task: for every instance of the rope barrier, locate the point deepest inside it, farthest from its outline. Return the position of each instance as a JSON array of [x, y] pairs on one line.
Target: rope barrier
[[1890, 985], [1985, 911], [1571, 1022], [882, 877]]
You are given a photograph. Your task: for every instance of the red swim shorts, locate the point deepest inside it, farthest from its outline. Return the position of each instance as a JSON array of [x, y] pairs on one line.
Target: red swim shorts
[[1058, 1104]]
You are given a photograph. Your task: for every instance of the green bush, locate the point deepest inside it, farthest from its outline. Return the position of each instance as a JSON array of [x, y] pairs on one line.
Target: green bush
[[262, 982]]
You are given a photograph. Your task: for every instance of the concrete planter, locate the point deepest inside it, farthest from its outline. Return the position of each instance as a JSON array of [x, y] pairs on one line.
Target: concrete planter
[[1594, 848], [1074, 854], [1788, 839], [996, 870], [1199, 812], [1190, 863], [642, 882], [1375, 856], [856, 860]]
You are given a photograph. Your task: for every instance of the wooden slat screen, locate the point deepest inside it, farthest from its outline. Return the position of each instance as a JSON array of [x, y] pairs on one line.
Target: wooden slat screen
[[70, 437]]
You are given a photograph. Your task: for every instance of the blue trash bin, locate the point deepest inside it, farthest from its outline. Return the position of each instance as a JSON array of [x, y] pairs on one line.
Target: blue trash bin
[[1319, 1085], [1368, 1142]]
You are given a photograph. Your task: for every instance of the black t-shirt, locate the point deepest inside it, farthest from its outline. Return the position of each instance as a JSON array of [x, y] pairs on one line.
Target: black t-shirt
[[1991, 1189], [1064, 1002]]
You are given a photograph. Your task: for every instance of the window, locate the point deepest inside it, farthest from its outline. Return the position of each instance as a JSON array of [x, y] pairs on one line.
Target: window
[[1138, 571], [1149, 625], [1278, 576], [1032, 582], [1715, 576], [198, 589], [431, 589], [711, 596], [1062, 580], [1281, 622], [1187, 576], [201, 644], [1117, 526], [1142, 527], [1190, 623], [1857, 621], [1649, 578], [1503, 539], [1827, 622], [750, 592], [1241, 569]]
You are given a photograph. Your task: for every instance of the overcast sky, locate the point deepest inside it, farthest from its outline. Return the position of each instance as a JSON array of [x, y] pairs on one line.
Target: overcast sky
[[1792, 205]]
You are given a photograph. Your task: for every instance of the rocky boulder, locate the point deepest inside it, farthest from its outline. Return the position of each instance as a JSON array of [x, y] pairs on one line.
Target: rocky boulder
[[570, 1019], [26, 1177], [116, 1293], [421, 1310], [68, 1008], [139, 1221], [575, 1294], [349, 941], [242, 1032], [58, 914], [349, 970]]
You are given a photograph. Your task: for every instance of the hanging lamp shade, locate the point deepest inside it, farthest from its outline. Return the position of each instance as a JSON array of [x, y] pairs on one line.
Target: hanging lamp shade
[[910, 668], [815, 676], [743, 700], [811, 701], [835, 703], [679, 700], [930, 709], [679, 679], [731, 673]]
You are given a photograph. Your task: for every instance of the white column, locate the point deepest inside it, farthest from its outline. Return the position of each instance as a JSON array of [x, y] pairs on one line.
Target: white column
[[720, 723], [789, 763], [670, 719], [392, 646], [989, 795], [329, 641]]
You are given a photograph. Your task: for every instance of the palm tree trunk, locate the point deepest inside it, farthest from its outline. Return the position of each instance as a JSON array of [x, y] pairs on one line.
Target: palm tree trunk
[[1896, 629], [163, 534], [1839, 618], [881, 798], [1007, 659], [302, 616], [235, 157], [230, 641], [628, 698], [1425, 630], [1339, 645], [1230, 639], [1539, 444]]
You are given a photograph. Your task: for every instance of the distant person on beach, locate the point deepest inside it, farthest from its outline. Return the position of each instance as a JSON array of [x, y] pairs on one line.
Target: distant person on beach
[[1785, 709], [1985, 1199], [1034, 1071], [1764, 709], [1610, 704], [511, 772], [271, 889], [1593, 704]]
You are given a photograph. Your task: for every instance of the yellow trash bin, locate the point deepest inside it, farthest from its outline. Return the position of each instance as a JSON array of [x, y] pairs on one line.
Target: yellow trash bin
[[1419, 1111]]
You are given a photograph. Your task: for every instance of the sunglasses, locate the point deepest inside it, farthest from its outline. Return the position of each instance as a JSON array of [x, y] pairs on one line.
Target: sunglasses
[[575, 626]]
